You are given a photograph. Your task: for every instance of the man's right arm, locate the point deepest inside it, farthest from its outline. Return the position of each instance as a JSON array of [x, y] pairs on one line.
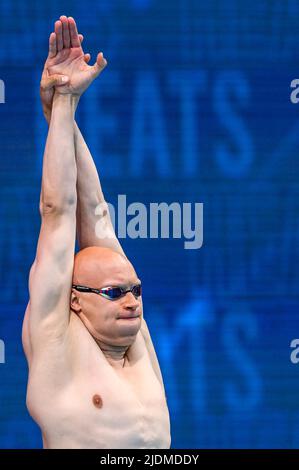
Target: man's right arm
[[89, 190], [51, 274]]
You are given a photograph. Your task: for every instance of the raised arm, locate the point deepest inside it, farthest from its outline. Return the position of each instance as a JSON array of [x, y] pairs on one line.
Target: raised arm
[[51, 274], [151, 350], [89, 190], [90, 196]]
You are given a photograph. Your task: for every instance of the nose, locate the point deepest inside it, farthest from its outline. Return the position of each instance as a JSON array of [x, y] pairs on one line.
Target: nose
[[130, 302]]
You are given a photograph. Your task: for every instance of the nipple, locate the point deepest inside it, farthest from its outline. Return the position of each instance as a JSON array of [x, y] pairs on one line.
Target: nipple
[[97, 401]]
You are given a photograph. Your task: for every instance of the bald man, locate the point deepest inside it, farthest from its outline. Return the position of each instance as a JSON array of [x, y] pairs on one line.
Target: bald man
[[94, 378]]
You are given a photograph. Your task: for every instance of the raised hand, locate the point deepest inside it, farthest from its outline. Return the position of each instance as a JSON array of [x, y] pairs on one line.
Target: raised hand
[[66, 59], [49, 82]]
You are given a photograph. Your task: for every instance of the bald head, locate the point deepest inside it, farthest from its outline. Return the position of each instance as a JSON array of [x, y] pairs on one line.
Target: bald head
[[94, 266], [98, 267]]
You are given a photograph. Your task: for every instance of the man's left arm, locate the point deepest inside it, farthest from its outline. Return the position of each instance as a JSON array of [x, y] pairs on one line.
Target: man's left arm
[[151, 350], [90, 197]]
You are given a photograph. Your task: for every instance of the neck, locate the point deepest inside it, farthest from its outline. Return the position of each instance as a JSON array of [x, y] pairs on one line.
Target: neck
[[115, 355]]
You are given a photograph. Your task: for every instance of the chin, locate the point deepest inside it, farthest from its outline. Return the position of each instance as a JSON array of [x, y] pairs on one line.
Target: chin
[[128, 333]]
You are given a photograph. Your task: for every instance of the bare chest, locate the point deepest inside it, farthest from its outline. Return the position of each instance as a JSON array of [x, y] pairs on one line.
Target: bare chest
[[103, 407], [116, 413]]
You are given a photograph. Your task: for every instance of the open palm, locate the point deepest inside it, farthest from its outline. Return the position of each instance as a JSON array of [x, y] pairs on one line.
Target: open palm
[[66, 57]]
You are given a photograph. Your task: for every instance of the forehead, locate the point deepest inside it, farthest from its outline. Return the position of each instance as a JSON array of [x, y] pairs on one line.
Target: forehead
[[117, 272], [102, 267]]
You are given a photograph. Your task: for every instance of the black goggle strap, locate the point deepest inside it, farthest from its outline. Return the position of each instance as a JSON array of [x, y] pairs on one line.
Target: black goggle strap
[[86, 289]]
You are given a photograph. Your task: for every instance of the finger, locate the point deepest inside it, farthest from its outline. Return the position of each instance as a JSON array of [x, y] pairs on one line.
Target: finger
[[52, 45], [87, 58], [65, 32], [100, 64], [59, 39], [81, 37], [75, 42], [54, 80]]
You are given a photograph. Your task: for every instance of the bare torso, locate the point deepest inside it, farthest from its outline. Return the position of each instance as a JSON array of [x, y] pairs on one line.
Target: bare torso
[[80, 400]]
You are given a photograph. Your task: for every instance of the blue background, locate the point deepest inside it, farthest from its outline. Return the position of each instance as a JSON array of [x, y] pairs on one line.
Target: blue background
[[193, 107]]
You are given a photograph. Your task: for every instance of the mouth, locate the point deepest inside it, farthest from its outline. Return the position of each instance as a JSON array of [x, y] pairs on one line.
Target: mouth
[[129, 317]]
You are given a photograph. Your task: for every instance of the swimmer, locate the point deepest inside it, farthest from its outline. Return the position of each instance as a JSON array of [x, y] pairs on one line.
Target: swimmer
[[94, 378]]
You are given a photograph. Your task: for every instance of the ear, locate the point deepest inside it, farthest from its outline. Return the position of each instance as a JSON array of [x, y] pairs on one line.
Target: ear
[[75, 302]]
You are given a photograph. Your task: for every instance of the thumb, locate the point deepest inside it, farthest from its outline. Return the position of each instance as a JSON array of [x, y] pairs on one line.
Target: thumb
[[54, 80], [87, 58], [100, 64]]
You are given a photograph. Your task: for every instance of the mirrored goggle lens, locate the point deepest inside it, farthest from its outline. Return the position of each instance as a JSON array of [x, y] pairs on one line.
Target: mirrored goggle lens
[[136, 291], [116, 292], [112, 293]]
